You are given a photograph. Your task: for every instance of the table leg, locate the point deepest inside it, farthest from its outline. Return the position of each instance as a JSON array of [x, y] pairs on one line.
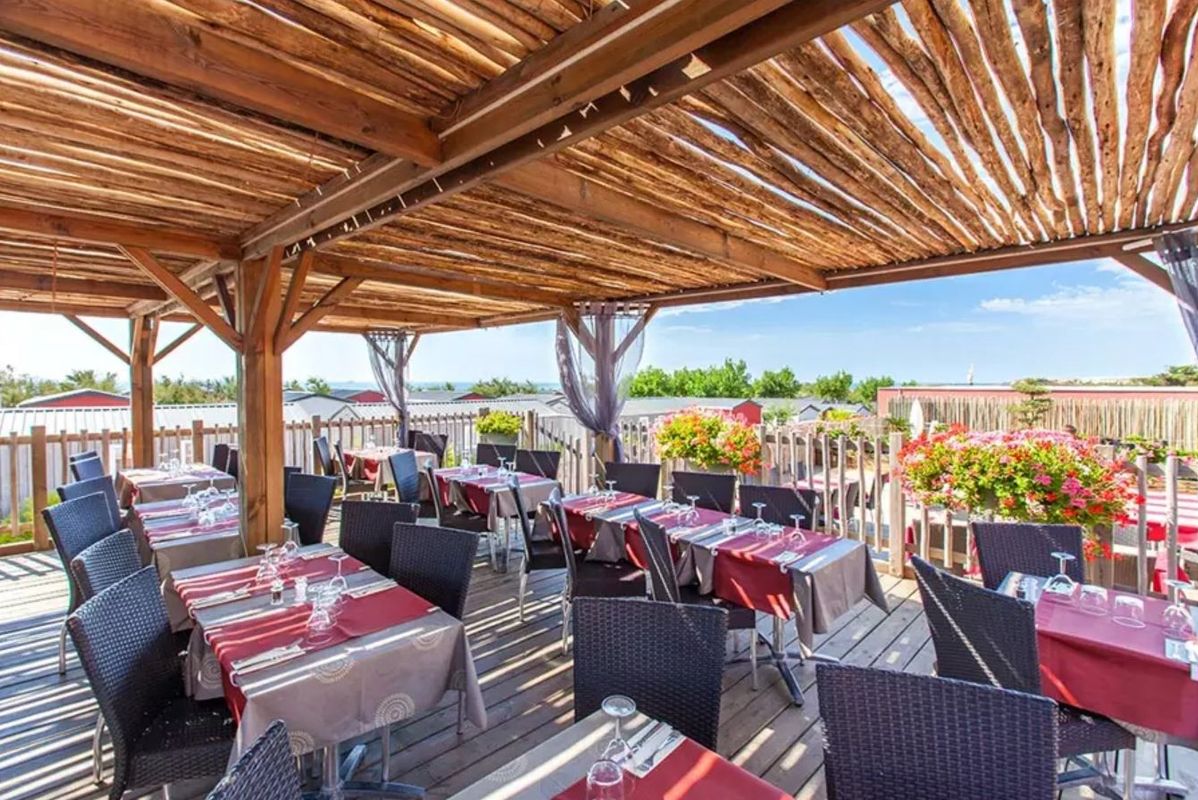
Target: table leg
[[336, 783], [784, 660], [1161, 785]]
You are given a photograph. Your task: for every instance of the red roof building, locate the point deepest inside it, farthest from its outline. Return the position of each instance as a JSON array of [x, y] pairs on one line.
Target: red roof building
[[77, 398]]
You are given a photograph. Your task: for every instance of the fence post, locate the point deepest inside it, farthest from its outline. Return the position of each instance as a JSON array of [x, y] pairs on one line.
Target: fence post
[[530, 429], [14, 485], [37, 466], [1171, 516], [197, 441], [898, 510]]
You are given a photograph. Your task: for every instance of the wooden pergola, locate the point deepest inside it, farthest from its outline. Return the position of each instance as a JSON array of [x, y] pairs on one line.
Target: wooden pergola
[[271, 168]]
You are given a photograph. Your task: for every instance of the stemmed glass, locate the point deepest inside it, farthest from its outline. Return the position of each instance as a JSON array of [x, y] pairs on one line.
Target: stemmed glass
[[669, 504], [320, 621], [1060, 587], [759, 525], [605, 781], [190, 501], [618, 707], [1176, 617], [268, 565], [797, 519], [611, 490], [692, 513], [338, 583]]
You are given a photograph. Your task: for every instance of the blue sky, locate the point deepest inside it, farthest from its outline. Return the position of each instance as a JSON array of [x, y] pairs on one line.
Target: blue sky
[[1091, 319]]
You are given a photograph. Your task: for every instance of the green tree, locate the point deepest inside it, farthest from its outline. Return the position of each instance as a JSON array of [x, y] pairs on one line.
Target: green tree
[[1181, 375], [449, 387], [866, 389], [502, 387], [317, 385], [837, 387], [16, 388], [1033, 409], [87, 379], [651, 382], [777, 383], [293, 386]]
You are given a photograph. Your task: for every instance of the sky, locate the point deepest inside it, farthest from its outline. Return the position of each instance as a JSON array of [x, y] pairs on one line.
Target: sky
[[1092, 319]]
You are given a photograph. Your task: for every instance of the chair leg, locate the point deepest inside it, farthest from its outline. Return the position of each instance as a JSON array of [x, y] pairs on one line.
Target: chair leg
[[98, 751], [565, 626], [62, 649], [461, 711], [523, 591], [753, 656], [385, 756]]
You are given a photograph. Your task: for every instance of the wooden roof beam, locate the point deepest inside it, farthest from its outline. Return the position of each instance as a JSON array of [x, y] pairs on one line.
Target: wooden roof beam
[[98, 230], [544, 181], [80, 310], [1144, 268], [175, 287], [162, 42], [397, 317], [98, 338], [317, 311], [50, 284]]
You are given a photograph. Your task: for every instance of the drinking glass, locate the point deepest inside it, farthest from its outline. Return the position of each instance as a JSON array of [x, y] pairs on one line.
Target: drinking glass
[[1176, 617], [1060, 587], [1094, 600], [1128, 611], [669, 504], [605, 781], [288, 552], [797, 519], [338, 583], [190, 501], [759, 524], [320, 621], [611, 490], [619, 707], [268, 568], [728, 525], [692, 513]]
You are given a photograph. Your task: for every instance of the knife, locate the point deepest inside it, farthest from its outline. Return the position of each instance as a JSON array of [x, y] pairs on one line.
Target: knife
[[671, 741]]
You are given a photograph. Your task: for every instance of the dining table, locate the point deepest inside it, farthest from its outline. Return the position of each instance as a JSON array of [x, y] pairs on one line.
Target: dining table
[[663, 764], [151, 484], [486, 491], [372, 463], [389, 655], [789, 574]]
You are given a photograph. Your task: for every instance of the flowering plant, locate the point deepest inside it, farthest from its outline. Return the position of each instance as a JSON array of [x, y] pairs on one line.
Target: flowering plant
[[710, 439], [1030, 475]]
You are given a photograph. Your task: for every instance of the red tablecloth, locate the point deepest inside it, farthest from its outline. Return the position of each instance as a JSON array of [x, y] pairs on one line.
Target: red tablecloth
[[478, 488], [1157, 510], [368, 468], [582, 530], [746, 574], [691, 772], [634, 545], [173, 527], [358, 617], [1099, 665], [191, 590]]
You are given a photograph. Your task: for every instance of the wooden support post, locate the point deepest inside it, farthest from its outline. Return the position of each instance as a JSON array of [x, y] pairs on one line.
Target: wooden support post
[[1142, 525], [197, 441], [37, 470], [530, 429], [14, 485], [260, 402], [898, 511], [1171, 522], [142, 341]]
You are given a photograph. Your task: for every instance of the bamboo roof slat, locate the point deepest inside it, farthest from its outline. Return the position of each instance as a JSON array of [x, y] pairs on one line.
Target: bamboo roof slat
[[1148, 18]]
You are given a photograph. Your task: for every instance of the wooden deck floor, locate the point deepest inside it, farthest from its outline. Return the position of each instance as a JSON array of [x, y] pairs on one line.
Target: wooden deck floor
[[46, 720]]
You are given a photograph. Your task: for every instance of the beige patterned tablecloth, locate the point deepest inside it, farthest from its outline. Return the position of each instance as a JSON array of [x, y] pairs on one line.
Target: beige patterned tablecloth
[[331, 695]]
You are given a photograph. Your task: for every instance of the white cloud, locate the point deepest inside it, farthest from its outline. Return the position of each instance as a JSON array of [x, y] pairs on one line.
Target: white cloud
[[955, 326], [1130, 301], [727, 305]]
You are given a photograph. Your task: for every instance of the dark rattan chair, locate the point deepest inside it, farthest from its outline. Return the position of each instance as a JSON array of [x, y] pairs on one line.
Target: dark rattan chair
[[985, 637], [220, 456], [434, 443], [545, 463], [642, 479], [406, 474], [782, 503], [233, 465], [306, 502], [266, 771], [435, 563], [104, 563], [103, 485], [539, 555], [322, 456], [74, 526], [159, 735], [287, 473], [590, 578], [715, 492], [668, 658], [953, 740], [489, 454], [367, 527], [448, 517], [1005, 547], [85, 466], [349, 486]]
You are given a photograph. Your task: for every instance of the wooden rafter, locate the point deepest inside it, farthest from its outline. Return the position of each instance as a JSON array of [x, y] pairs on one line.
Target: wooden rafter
[[319, 310], [79, 310], [98, 338], [225, 296], [177, 341], [84, 286], [397, 317], [295, 291], [193, 277], [636, 330], [265, 295], [176, 288], [1144, 268], [85, 228]]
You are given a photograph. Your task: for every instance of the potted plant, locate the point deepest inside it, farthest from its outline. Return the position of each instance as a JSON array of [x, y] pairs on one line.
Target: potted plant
[[499, 427], [710, 441]]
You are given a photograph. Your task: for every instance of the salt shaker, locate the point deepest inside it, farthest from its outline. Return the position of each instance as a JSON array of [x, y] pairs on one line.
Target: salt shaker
[[276, 592], [301, 589]]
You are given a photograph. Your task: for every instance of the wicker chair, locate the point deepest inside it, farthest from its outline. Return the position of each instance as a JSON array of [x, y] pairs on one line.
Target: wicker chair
[[545, 463], [435, 563], [74, 526], [985, 637], [1005, 547], [668, 658], [159, 735], [307, 501], [86, 465], [287, 473], [322, 456], [448, 517], [434, 443], [956, 740], [715, 492], [590, 578], [539, 555], [664, 586], [782, 504], [490, 454], [220, 456], [642, 479], [233, 465], [266, 771], [406, 473], [103, 485], [349, 486], [367, 527]]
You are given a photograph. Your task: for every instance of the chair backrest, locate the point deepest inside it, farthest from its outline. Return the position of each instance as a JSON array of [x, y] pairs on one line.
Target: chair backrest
[[339, 462], [557, 518], [956, 740], [76, 525], [124, 641], [668, 658], [220, 456], [104, 563], [86, 465], [642, 479], [545, 463], [265, 771], [288, 472], [489, 454], [980, 635], [434, 492], [1005, 547], [233, 466], [513, 485], [367, 527], [82, 454], [781, 503], [406, 473], [663, 575], [435, 563], [430, 443], [306, 502], [714, 491], [322, 457], [103, 485]]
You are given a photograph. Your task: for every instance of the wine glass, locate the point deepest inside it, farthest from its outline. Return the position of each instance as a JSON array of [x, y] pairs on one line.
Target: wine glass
[[268, 568], [669, 504], [1129, 611], [692, 513], [320, 621], [1094, 600], [288, 552], [759, 524], [619, 707], [338, 583], [797, 533], [1176, 617], [190, 501], [611, 490], [605, 781], [1060, 587]]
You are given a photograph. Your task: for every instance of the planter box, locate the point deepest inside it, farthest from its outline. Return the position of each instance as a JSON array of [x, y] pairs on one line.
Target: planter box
[[498, 438]]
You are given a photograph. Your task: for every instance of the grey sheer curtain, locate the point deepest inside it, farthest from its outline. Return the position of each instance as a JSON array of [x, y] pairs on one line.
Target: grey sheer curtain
[[596, 364], [1179, 253], [389, 360]]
